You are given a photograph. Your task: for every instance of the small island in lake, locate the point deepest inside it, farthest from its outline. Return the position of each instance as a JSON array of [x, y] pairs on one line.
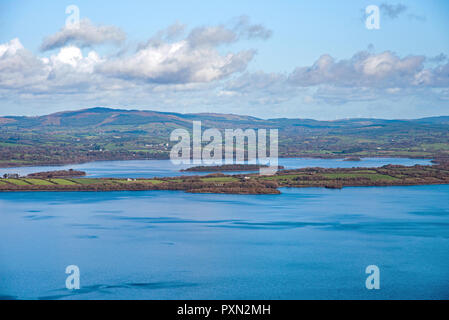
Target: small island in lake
[[228, 167], [331, 178], [57, 174], [352, 159]]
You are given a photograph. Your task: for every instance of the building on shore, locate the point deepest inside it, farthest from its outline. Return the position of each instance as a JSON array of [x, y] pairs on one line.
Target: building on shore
[[11, 176]]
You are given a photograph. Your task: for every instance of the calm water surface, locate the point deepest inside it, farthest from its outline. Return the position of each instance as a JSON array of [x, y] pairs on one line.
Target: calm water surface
[[312, 243], [164, 168]]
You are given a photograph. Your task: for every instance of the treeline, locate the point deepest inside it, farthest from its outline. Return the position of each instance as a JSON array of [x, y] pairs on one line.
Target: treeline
[[57, 174], [60, 155], [187, 185]]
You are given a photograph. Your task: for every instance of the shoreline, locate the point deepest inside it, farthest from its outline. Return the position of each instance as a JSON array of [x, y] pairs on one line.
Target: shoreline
[[298, 187], [331, 178]]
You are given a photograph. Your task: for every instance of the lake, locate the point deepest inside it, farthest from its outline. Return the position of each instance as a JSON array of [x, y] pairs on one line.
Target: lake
[[312, 243], [165, 168]]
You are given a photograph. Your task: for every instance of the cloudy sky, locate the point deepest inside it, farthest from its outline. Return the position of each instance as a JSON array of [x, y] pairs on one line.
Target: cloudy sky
[[287, 58]]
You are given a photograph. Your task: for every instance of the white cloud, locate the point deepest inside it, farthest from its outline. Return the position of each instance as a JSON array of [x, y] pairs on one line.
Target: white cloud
[[240, 29], [211, 36], [11, 47], [87, 34], [175, 68], [365, 69], [171, 33], [167, 59], [19, 67], [67, 71], [180, 62], [170, 60]]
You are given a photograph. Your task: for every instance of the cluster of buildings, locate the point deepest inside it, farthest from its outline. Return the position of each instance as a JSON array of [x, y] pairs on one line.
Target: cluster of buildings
[[11, 176]]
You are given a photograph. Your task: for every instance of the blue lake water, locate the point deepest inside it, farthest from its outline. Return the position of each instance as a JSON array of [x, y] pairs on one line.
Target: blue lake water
[[164, 168], [311, 243]]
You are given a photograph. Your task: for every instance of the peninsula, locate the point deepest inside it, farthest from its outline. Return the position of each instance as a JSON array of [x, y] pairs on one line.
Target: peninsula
[[336, 178]]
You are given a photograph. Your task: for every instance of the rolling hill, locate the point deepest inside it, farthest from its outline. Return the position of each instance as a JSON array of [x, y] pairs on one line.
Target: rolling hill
[[114, 134]]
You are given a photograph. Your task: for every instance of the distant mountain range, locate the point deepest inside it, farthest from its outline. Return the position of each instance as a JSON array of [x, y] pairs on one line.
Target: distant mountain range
[[112, 134], [106, 117]]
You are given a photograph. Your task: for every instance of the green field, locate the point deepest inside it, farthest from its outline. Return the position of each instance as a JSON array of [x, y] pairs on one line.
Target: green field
[[220, 179], [375, 176], [63, 182], [283, 177], [39, 182], [153, 181], [18, 182], [88, 181]]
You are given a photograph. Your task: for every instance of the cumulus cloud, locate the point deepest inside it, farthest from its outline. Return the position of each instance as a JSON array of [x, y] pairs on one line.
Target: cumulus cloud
[[171, 33], [177, 63], [87, 34], [193, 59], [10, 48], [170, 58], [211, 36], [66, 72], [368, 76], [438, 59], [19, 67], [221, 34], [366, 69], [179, 67]]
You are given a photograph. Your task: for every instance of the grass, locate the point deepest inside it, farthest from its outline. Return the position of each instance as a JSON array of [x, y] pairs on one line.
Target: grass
[[88, 181], [9, 144], [63, 182], [155, 181], [141, 181], [435, 146], [283, 177], [175, 180], [18, 182], [375, 176], [14, 161], [39, 182], [220, 179]]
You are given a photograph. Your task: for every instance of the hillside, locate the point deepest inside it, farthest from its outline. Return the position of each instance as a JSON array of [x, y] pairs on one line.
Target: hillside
[[112, 134]]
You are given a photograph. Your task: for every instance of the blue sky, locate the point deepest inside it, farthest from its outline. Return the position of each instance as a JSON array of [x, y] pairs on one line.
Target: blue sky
[[269, 59]]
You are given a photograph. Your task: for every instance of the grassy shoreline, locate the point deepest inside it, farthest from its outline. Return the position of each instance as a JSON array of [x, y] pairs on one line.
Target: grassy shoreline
[[334, 178]]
